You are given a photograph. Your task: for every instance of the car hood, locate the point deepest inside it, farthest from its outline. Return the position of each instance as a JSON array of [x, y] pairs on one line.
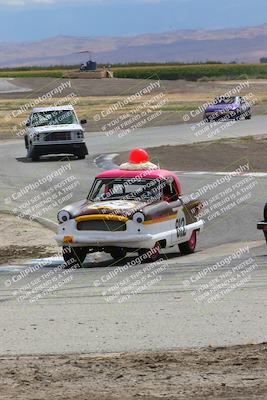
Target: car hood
[[55, 128], [221, 107], [116, 207]]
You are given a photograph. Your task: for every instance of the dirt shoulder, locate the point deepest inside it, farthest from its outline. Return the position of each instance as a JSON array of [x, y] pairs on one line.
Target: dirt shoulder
[[23, 239], [220, 155], [237, 372], [93, 98]]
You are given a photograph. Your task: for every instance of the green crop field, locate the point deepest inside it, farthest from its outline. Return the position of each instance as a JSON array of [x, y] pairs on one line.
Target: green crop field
[[193, 72], [190, 72], [32, 73]]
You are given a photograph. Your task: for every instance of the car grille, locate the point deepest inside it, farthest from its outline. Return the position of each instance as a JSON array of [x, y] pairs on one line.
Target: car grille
[[54, 136], [101, 225]]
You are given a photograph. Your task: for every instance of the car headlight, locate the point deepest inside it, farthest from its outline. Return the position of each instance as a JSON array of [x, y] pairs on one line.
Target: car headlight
[[63, 216], [80, 135], [139, 217], [36, 136]]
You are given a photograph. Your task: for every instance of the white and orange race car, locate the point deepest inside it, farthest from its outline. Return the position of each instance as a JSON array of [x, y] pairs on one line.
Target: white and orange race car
[[135, 208]]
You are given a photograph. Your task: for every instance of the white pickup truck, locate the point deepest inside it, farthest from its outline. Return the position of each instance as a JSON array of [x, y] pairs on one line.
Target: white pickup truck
[[55, 130]]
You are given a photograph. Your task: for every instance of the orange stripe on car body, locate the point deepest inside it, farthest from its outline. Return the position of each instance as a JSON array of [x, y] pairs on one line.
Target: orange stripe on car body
[[160, 219], [103, 217]]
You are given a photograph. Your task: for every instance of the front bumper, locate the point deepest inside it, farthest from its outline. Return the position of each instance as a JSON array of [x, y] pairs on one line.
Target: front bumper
[[220, 114], [76, 148], [100, 239]]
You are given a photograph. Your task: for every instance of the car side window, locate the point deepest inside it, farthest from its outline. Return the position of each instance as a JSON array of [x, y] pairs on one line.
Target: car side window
[[169, 191]]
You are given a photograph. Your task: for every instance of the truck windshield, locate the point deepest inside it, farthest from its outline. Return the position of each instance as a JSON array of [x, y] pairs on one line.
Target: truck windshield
[[56, 117]]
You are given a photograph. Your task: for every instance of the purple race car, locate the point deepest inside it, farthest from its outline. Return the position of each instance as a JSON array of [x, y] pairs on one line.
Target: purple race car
[[227, 108]]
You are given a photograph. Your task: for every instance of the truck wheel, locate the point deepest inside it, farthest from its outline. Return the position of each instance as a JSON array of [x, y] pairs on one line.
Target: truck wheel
[[189, 246], [32, 154], [151, 255], [74, 256], [81, 156], [118, 253], [26, 142]]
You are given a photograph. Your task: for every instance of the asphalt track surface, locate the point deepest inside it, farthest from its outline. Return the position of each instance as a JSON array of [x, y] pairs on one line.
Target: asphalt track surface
[[82, 316], [6, 86]]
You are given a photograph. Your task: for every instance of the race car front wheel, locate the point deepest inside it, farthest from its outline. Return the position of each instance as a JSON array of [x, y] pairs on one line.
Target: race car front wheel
[[189, 246], [151, 255], [74, 256], [118, 253]]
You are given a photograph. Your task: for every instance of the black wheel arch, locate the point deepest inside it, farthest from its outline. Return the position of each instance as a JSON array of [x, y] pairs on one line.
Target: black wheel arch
[[265, 212]]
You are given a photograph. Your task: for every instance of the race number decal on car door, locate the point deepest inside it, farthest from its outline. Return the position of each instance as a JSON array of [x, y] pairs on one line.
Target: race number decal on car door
[[180, 227]]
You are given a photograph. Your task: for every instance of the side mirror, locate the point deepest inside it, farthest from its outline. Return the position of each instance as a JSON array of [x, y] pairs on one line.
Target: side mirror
[[83, 121]]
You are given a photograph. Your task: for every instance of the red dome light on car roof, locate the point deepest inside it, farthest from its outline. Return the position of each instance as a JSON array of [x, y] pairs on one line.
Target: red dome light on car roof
[[139, 156]]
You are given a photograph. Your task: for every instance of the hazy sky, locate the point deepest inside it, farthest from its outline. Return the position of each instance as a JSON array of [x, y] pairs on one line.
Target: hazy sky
[[26, 20]]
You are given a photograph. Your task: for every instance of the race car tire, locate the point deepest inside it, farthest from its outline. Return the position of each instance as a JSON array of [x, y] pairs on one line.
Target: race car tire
[[189, 246], [265, 212], [74, 257], [151, 255], [118, 253], [265, 219]]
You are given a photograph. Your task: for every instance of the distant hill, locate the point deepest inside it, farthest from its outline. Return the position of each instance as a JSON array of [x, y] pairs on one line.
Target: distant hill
[[240, 44]]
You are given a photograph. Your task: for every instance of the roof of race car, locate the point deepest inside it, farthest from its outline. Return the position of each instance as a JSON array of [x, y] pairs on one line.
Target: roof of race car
[[150, 174], [142, 174]]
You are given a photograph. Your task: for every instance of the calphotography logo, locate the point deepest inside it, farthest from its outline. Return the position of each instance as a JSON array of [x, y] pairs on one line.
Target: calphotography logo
[[135, 111]]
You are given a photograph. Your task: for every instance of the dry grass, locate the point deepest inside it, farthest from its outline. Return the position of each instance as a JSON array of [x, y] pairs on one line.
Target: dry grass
[[87, 107]]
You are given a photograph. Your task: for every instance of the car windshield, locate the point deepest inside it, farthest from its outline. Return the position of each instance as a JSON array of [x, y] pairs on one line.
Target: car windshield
[[126, 189], [56, 117], [225, 100]]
